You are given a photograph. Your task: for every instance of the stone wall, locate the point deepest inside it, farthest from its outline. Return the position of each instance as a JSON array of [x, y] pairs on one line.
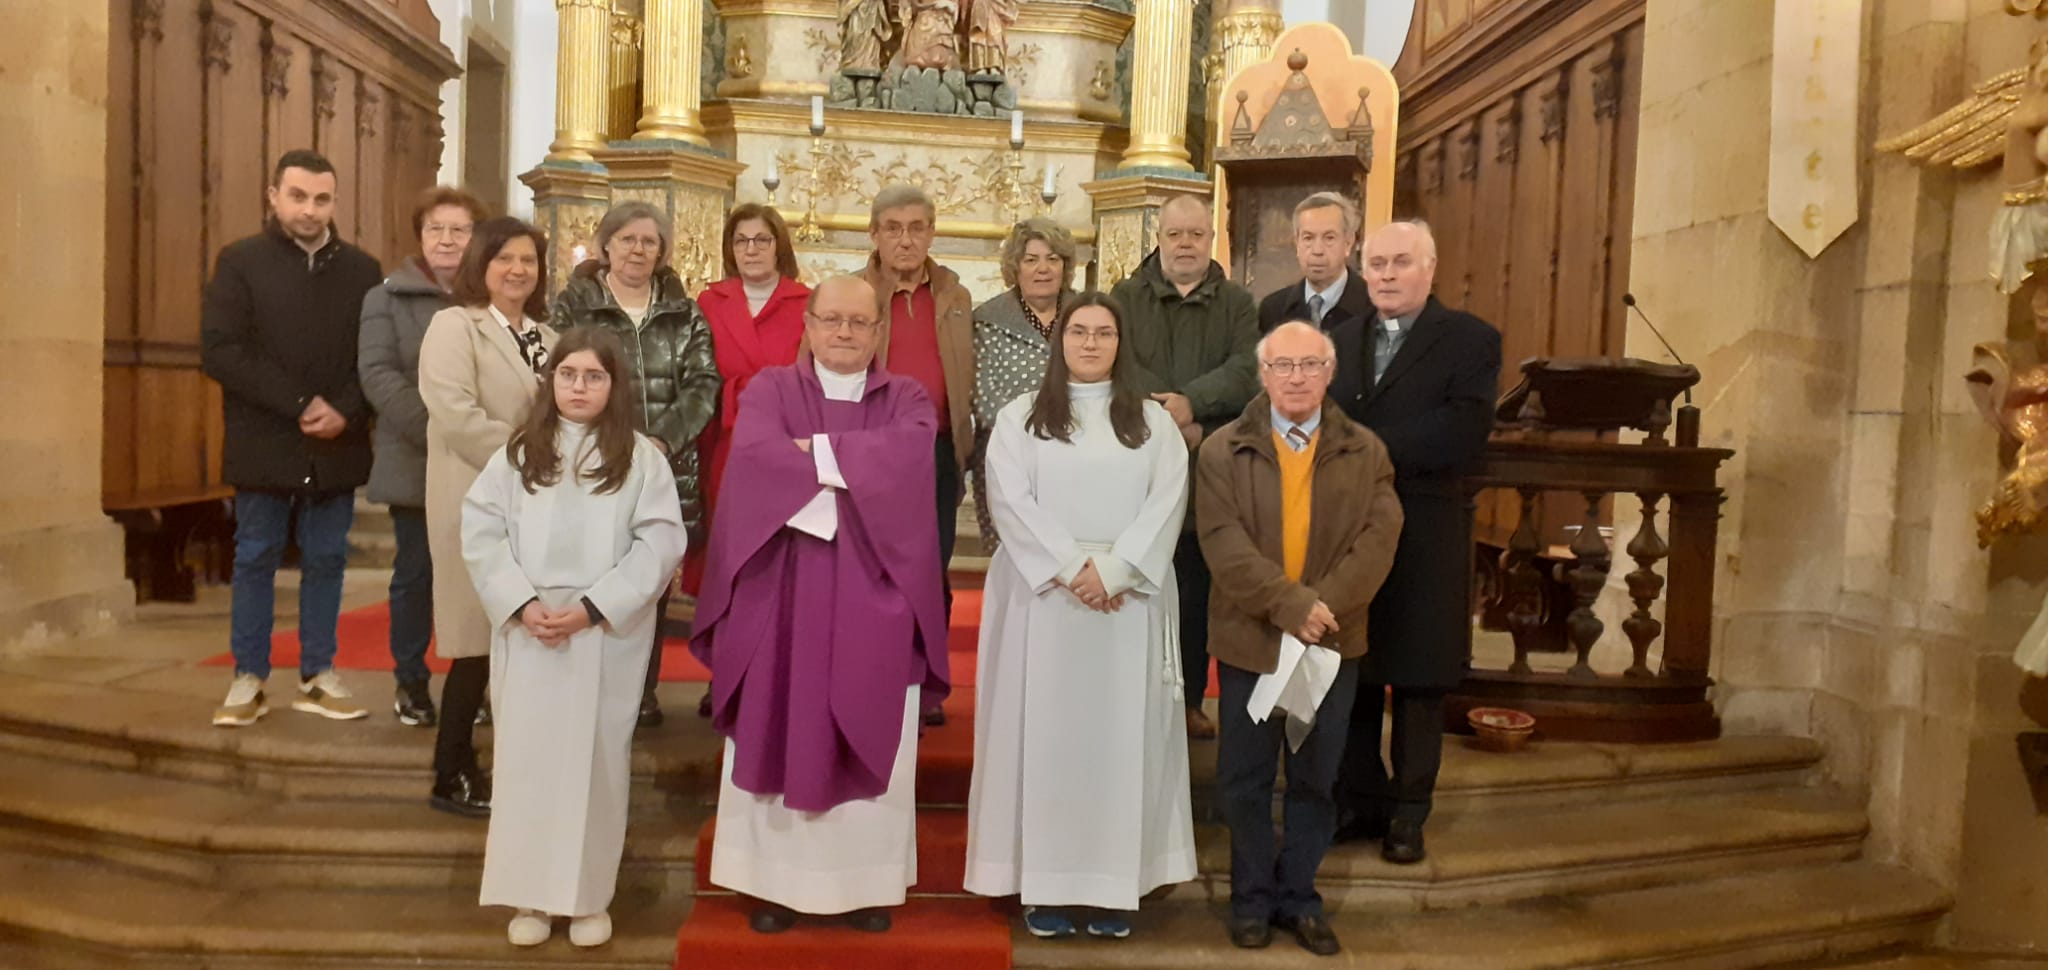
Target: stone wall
[[1852, 602], [60, 558]]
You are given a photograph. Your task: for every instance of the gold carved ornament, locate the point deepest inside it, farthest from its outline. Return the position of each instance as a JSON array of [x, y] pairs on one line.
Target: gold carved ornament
[[739, 63], [698, 258], [1118, 251]]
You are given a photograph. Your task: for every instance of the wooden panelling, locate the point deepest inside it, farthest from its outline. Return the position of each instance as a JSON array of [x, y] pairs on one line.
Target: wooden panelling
[[203, 96], [1518, 127]]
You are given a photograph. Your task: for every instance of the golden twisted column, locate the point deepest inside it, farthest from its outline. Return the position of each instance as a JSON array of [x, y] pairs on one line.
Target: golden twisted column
[[583, 50], [1160, 48], [671, 86]]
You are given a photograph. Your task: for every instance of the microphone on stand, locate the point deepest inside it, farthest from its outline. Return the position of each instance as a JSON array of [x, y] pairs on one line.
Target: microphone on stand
[[1688, 416]]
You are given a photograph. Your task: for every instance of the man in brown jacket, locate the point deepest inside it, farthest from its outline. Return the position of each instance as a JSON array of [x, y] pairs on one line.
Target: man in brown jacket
[[1295, 508], [929, 338]]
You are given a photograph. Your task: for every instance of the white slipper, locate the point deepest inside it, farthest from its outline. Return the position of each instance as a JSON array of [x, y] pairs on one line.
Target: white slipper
[[593, 930], [529, 928]]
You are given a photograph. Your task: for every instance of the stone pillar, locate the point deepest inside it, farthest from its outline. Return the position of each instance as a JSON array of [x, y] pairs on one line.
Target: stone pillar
[[60, 558], [583, 49], [1160, 44], [1127, 218], [671, 82]]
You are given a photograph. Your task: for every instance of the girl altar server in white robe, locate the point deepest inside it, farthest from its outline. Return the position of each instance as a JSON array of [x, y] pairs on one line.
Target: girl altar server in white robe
[[570, 533], [1080, 798]]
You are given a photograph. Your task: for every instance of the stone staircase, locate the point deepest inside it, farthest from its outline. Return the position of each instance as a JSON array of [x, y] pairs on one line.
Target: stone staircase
[[132, 834]]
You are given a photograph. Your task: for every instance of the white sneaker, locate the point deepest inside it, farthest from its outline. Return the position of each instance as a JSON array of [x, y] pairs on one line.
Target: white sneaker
[[324, 695], [244, 703], [529, 928], [593, 930]]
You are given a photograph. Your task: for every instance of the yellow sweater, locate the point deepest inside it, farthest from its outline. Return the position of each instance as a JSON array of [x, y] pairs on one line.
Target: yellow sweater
[[1297, 487]]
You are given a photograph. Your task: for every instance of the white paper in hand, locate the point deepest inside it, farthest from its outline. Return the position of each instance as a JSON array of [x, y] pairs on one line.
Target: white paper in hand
[[1296, 687]]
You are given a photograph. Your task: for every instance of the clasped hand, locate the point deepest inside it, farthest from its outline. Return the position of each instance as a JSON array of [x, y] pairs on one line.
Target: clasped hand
[[1320, 623], [1087, 587], [554, 627], [321, 420]]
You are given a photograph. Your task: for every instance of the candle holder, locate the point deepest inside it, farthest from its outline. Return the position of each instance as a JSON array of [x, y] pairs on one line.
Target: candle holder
[[771, 182], [811, 231]]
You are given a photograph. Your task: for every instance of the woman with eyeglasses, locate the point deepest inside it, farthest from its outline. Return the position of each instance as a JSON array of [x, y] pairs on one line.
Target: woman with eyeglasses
[[630, 290], [395, 318], [1080, 679], [1013, 333], [480, 367], [756, 315]]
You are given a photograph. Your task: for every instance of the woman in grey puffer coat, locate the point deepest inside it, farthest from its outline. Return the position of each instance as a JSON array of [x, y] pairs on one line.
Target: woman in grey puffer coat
[[395, 317]]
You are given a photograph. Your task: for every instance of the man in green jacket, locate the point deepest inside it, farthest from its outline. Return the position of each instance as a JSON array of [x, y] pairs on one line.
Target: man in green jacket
[[1192, 333]]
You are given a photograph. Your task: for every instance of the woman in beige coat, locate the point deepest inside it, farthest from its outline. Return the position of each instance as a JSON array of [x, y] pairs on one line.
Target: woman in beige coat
[[480, 367]]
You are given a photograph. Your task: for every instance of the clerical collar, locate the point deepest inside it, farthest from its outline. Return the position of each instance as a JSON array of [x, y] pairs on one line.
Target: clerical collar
[[1092, 389], [841, 387], [1400, 323], [1281, 423], [1330, 296]]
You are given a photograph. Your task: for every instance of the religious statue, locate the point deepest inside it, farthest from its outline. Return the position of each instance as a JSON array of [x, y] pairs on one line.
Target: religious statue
[[863, 31], [988, 21], [930, 32], [2010, 388]]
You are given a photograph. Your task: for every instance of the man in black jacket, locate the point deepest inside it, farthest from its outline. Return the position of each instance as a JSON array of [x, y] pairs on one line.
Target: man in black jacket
[[278, 331], [1329, 294], [1430, 377]]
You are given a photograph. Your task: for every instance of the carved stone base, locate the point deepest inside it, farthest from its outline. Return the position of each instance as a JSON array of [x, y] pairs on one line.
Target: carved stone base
[[63, 582]]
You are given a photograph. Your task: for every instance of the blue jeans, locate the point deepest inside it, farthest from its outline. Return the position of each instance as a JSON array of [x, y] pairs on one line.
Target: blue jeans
[[1268, 880], [262, 523], [412, 595]]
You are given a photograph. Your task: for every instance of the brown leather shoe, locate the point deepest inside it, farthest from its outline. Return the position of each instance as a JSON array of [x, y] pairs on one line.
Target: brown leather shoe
[[1200, 728]]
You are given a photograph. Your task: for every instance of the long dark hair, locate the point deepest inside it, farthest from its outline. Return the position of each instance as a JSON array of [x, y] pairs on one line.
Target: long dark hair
[[533, 448], [487, 239], [1052, 412]]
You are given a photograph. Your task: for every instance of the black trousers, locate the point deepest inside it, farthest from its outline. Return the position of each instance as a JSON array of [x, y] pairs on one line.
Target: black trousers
[[1268, 880], [654, 658], [1404, 790], [1191, 574], [462, 694], [947, 467]]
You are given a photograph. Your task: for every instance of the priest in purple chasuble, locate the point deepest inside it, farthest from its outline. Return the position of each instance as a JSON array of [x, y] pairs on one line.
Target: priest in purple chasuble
[[822, 620]]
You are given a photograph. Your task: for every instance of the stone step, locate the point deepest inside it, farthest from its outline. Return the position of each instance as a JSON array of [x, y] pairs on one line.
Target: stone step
[[163, 731], [209, 834], [58, 905], [372, 518], [1759, 920]]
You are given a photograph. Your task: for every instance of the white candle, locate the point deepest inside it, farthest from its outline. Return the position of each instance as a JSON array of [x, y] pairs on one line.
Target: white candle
[[1048, 180], [817, 112], [1016, 127], [772, 174]]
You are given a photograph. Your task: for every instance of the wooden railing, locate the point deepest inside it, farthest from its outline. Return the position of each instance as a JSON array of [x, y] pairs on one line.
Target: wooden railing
[[1642, 701]]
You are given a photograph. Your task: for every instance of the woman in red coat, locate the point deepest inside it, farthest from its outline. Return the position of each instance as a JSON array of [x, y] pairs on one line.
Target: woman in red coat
[[757, 319]]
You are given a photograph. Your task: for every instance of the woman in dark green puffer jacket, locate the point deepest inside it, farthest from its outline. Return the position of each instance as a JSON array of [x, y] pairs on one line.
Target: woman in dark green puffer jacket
[[630, 290]]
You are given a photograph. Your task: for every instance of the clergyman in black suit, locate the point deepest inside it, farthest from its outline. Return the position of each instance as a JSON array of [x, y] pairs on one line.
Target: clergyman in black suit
[[1329, 294], [1427, 377]]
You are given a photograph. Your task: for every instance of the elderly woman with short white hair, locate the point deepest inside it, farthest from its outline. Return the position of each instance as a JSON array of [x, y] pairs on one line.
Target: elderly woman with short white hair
[[1012, 332]]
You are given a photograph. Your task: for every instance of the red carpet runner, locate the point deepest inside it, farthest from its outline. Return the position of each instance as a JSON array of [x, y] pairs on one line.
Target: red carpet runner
[[942, 928]]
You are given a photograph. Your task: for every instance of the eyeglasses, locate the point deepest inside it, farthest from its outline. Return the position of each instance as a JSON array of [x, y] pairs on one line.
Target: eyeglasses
[[897, 230], [437, 230], [592, 379], [1308, 366], [855, 324], [1080, 335], [753, 242], [647, 244]]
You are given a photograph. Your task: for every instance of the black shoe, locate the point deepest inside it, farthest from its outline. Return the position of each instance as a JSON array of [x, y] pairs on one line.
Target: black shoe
[[704, 704], [650, 710], [466, 793], [413, 705], [1251, 934], [872, 920], [770, 918], [1403, 844], [936, 717], [483, 714], [1363, 828], [1314, 934]]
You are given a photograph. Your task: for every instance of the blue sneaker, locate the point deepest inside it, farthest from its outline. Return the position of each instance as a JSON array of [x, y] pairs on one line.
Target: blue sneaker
[[1047, 924], [1111, 926]]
